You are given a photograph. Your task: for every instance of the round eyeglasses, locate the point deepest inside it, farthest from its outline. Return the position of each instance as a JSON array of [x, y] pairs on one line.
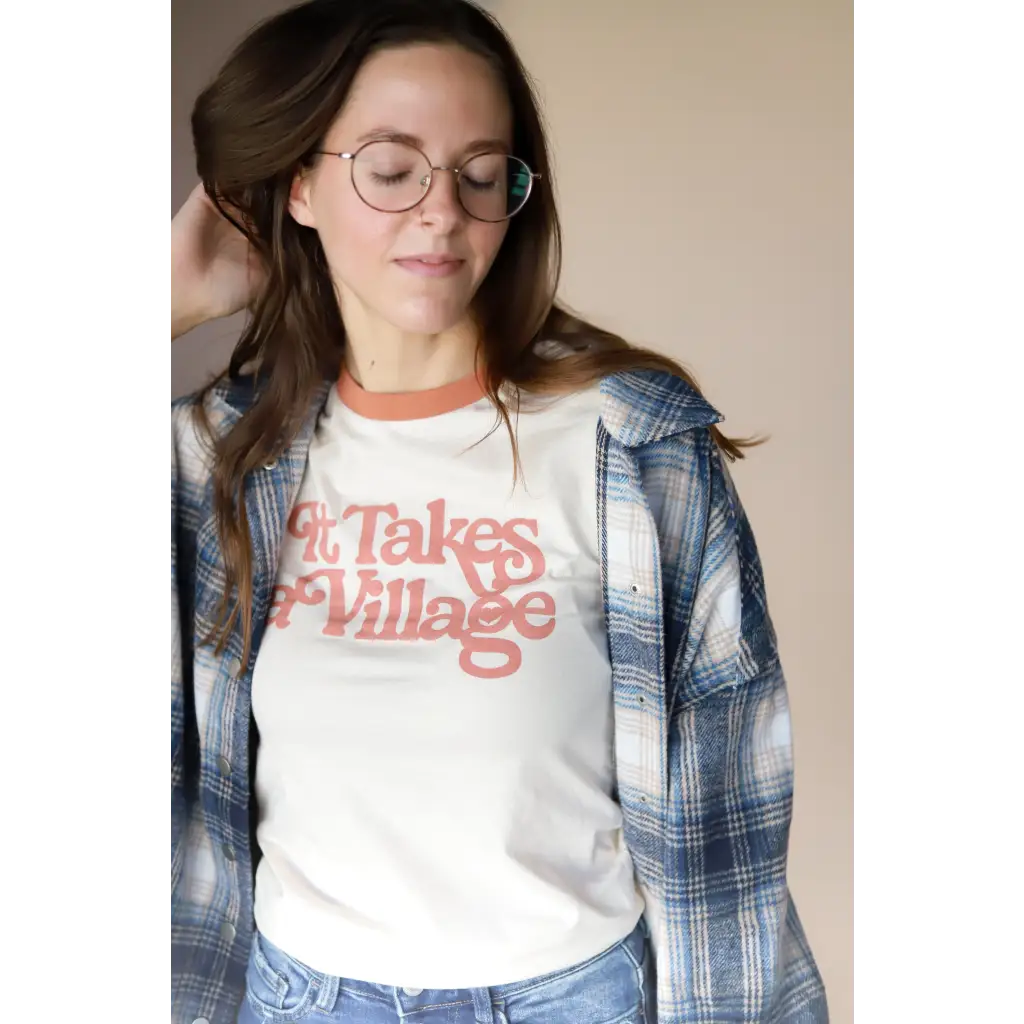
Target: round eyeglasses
[[393, 177]]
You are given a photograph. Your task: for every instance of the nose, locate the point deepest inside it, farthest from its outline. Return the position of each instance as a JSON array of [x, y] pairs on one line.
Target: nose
[[440, 207]]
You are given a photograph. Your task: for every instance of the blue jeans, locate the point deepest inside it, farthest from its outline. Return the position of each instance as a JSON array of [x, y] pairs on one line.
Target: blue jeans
[[614, 987]]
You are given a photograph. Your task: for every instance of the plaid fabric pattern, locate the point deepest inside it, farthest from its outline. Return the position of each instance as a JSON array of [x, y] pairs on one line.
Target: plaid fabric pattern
[[702, 741]]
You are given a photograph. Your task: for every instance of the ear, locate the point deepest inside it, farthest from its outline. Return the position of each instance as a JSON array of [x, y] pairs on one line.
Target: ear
[[298, 199]]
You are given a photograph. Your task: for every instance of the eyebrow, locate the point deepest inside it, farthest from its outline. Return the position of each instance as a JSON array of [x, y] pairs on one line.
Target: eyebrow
[[393, 135]]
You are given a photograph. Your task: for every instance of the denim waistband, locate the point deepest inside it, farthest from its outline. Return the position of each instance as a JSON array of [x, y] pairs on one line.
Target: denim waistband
[[617, 971]]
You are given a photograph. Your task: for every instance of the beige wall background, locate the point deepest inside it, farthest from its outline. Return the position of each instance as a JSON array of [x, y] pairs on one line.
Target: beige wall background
[[704, 164]]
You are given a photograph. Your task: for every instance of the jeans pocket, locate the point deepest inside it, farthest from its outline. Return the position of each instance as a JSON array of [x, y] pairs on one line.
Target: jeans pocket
[[278, 988]]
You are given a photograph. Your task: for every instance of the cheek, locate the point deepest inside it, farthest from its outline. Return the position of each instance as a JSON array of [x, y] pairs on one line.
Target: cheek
[[355, 238], [486, 240]]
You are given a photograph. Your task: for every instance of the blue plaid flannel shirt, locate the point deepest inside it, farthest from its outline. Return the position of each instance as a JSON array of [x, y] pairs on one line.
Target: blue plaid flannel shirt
[[702, 740]]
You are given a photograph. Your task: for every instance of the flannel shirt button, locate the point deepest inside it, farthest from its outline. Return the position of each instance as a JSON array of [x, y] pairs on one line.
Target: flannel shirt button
[[229, 851], [227, 931], [235, 667], [200, 1020], [270, 465], [223, 765]]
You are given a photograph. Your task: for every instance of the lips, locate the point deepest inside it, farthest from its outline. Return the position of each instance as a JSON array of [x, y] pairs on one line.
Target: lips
[[431, 264]]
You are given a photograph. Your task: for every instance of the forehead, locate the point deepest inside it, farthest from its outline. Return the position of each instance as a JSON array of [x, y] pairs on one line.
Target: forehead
[[445, 95]]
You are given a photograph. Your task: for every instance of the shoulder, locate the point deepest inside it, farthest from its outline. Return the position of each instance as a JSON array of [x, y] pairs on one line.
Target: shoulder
[[224, 403], [644, 406], [663, 425], [198, 420], [219, 408], [191, 455]]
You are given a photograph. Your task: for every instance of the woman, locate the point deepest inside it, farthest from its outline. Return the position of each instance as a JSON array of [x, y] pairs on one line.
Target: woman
[[477, 713]]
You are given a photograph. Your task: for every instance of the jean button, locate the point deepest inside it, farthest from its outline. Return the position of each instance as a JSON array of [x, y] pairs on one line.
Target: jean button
[[412, 991]]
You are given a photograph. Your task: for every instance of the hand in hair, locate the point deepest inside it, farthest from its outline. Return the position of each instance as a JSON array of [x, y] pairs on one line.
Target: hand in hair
[[214, 271]]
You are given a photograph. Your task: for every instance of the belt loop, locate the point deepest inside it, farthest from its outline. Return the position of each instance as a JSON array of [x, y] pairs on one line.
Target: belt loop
[[483, 1008], [328, 993]]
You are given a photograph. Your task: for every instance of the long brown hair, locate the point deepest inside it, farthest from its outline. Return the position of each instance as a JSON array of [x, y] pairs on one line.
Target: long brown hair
[[254, 127]]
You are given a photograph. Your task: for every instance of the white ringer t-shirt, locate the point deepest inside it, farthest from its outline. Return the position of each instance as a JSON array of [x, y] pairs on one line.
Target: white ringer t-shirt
[[433, 697]]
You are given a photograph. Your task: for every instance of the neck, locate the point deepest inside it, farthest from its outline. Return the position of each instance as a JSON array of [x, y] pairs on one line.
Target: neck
[[382, 358]]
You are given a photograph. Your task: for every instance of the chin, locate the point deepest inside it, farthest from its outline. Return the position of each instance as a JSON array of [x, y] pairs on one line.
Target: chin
[[427, 317]]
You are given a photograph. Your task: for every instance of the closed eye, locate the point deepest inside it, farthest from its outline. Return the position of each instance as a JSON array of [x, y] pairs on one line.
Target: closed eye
[[480, 186], [389, 179]]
